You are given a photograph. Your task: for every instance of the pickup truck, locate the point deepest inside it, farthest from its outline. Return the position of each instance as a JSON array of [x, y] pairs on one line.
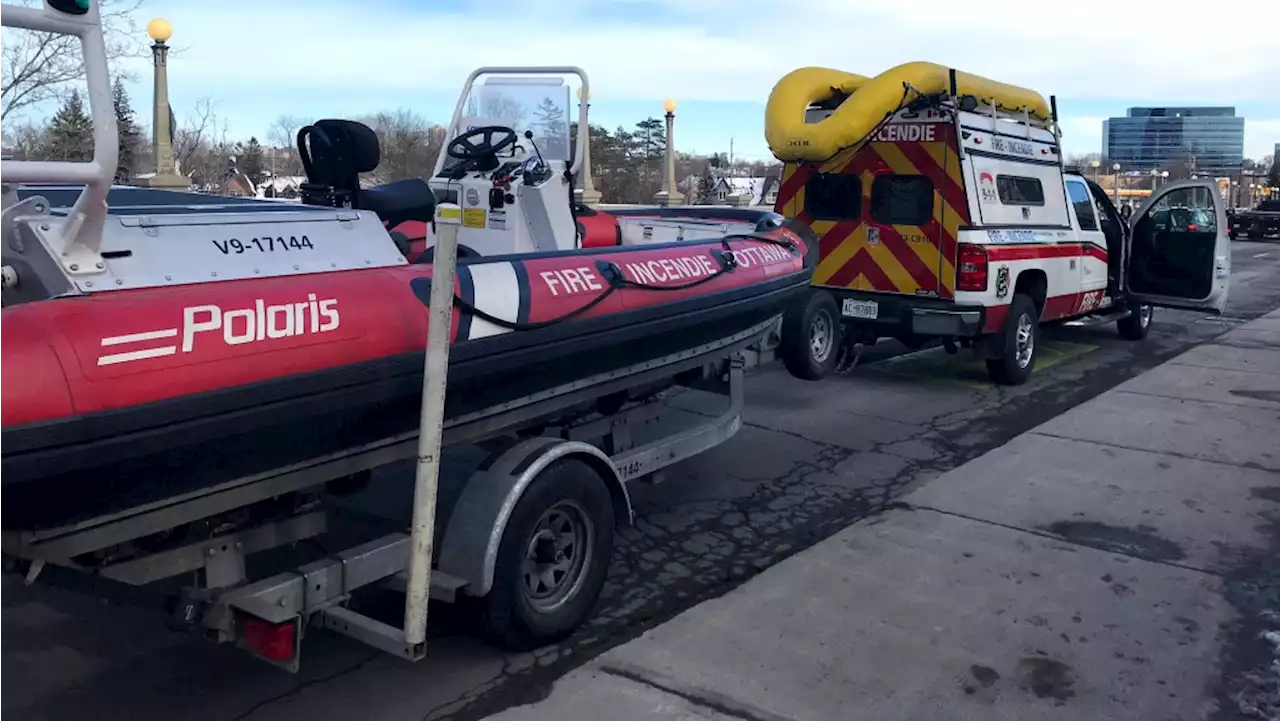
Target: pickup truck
[[1257, 223]]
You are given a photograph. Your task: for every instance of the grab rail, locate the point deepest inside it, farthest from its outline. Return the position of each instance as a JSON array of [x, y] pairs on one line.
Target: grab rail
[[78, 238]]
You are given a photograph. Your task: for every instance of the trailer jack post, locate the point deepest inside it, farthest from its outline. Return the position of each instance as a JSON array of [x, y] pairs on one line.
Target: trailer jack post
[[435, 373]]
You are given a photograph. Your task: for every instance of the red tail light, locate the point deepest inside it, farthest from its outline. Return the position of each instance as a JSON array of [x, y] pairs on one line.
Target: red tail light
[[971, 271], [275, 642]]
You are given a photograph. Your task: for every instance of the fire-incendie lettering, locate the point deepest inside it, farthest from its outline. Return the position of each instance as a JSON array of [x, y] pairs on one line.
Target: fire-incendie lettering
[[667, 270], [906, 132], [568, 281]]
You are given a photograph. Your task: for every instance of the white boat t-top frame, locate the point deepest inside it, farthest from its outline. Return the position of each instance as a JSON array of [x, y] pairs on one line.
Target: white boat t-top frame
[[508, 162], [77, 240], [587, 423]]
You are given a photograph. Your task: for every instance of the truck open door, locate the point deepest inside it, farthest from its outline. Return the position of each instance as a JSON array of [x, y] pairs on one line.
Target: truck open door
[[1180, 255]]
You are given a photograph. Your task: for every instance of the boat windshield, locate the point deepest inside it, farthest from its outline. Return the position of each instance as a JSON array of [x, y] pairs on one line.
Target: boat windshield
[[540, 105]]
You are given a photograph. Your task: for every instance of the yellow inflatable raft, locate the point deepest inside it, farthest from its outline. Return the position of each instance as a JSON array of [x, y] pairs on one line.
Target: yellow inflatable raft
[[870, 101]]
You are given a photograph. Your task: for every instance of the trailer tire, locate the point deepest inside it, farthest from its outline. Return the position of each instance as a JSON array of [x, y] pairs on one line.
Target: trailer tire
[[811, 337], [566, 504], [1017, 344]]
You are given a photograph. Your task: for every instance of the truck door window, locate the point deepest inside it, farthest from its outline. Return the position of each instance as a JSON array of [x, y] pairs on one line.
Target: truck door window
[[1083, 204], [1017, 190], [902, 200], [833, 196]]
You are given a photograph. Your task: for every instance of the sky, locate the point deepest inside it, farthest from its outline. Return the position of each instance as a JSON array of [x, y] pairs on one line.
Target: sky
[[718, 59]]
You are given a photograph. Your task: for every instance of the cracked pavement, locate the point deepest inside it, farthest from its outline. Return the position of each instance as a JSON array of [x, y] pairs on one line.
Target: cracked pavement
[[810, 459]]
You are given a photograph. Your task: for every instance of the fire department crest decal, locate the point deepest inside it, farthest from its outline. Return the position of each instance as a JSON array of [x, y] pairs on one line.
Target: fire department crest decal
[[1002, 281], [873, 235]]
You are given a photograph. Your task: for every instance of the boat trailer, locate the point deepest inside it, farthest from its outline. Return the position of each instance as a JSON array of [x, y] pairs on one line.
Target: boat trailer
[[209, 584]]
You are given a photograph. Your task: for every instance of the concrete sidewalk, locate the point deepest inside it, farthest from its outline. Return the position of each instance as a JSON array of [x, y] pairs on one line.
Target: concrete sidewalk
[[1117, 562]]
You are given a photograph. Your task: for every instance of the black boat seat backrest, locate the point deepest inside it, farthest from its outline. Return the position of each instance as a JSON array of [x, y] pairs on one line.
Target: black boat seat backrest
[[335, 152]]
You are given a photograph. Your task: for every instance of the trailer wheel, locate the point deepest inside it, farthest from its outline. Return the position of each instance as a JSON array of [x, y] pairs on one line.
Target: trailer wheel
[[811, 336], [1016, 344], [552, 560]]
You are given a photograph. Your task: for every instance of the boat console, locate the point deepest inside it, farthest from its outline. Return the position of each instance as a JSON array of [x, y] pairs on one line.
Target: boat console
[[507, 162]]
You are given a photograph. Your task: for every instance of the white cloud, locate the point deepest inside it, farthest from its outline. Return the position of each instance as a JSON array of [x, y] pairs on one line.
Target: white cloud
[[1260, 137], [1081, 134], [1105, 51], [737, 49]]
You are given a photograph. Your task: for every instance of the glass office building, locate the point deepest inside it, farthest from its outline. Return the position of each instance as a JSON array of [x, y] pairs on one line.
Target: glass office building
[[1211, 139]]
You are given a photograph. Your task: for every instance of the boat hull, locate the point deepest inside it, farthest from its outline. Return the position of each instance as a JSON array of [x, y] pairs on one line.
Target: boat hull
[[230, 400]]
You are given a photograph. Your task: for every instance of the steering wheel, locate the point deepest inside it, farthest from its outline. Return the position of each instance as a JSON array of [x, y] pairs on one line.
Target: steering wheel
[[468, 146]]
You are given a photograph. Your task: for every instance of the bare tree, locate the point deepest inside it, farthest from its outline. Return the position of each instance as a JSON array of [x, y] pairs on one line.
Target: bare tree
[[195, 133], [25, 140], [39, 66], [200, 146], [409, 145], [1182, 166], [281, 138], [497, 106]]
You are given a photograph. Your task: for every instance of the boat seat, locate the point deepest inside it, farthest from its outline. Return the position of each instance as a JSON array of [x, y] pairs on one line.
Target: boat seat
[[401, 200], [335, 152]]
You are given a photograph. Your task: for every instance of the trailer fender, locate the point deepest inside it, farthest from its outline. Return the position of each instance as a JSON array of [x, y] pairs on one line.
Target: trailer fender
[[469, 549]]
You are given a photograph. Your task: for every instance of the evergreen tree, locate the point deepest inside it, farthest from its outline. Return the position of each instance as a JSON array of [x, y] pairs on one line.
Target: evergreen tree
[[650, 150], [706, 187], [251, 161], [550, 128], [129, 132], [70, 134]]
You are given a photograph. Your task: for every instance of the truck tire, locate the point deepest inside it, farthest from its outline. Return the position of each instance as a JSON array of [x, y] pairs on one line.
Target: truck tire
[[1138, 324], [1017, 344], [552, 560], [811, 336]]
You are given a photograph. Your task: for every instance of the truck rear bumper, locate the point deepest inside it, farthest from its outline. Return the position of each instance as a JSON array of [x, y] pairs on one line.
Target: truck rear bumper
[[904, 315], [930, 321]]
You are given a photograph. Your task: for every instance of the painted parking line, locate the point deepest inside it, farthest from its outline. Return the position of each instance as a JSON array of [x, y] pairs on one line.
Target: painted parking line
[[967, 369]]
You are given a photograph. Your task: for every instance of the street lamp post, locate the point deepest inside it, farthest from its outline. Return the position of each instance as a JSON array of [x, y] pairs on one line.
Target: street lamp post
[[587, 193], [1115, 182], [1095, 164], [669, 195], [1155, 175], [165, 176]]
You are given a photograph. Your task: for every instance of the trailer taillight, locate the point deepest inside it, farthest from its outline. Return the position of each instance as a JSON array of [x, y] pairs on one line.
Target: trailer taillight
[[971, 271], [272, 641]]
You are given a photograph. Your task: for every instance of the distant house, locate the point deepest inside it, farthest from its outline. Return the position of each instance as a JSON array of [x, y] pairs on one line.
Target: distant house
[[281, 186], [731, 190]]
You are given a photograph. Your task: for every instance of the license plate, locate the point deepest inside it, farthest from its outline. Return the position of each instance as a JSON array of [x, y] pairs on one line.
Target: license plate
[[866, 309]]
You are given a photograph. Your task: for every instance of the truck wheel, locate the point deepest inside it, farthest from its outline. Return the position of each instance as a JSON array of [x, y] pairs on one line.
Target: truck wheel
[[1138, 324], [1017, 344], [552, 560], [811, 336]]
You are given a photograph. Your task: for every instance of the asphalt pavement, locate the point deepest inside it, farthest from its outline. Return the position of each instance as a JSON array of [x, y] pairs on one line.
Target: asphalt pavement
[[812, 459], [1116, 562]]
